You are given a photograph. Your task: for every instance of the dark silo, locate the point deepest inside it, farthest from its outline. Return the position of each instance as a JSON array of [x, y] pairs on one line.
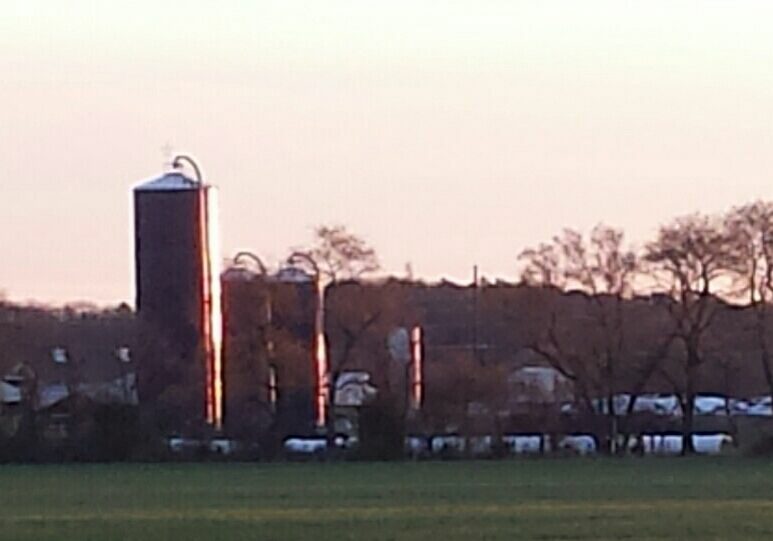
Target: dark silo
[[178, 287]]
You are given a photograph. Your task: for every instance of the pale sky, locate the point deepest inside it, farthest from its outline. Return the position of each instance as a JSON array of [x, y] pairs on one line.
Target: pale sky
[[446, 133]]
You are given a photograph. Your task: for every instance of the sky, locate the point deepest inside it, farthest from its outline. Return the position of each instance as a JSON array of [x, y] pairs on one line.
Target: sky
[[446, 133]]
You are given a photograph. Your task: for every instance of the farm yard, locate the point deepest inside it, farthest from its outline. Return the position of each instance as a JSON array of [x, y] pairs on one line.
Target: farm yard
[[651, 498]]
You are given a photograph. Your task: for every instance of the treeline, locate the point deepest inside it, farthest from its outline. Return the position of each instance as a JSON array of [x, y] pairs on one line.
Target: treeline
[[708, 280], [686, 313]]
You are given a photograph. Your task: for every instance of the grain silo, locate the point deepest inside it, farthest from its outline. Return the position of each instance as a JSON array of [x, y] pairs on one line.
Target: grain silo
[[177, 260]]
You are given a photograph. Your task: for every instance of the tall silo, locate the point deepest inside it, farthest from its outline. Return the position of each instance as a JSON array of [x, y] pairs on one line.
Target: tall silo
[[177, 260]]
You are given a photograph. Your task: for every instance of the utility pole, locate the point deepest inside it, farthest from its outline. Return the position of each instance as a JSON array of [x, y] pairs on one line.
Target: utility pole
[[475, 355]]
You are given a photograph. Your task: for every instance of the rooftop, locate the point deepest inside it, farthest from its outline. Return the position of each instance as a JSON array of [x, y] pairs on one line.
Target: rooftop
[[172, 181]]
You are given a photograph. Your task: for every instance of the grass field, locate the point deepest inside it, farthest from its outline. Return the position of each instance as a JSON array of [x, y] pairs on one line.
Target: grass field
[[527, 499]]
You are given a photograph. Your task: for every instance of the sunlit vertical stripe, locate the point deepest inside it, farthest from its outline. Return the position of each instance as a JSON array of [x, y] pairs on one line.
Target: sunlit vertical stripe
[[273, 393], [206, 307], [416, 368], [216, 312], [211, 320], [320, 356]]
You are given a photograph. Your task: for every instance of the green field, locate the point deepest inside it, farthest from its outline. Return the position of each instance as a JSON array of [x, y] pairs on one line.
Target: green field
[[702, 499]]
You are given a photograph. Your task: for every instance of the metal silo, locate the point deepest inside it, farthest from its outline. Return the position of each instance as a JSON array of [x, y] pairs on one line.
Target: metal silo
[[177, 260]]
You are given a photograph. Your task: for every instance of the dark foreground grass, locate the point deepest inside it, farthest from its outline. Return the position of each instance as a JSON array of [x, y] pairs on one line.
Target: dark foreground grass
[[529, 499]]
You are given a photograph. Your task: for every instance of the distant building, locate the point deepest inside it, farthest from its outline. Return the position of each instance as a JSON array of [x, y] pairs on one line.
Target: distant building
[[531, 386]]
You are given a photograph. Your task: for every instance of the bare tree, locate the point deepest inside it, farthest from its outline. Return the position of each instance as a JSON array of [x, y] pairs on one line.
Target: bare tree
[[341, 259], [357, 324], [341, 254], [690, 259], [359, 318], [588, 346], [750, 228]]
